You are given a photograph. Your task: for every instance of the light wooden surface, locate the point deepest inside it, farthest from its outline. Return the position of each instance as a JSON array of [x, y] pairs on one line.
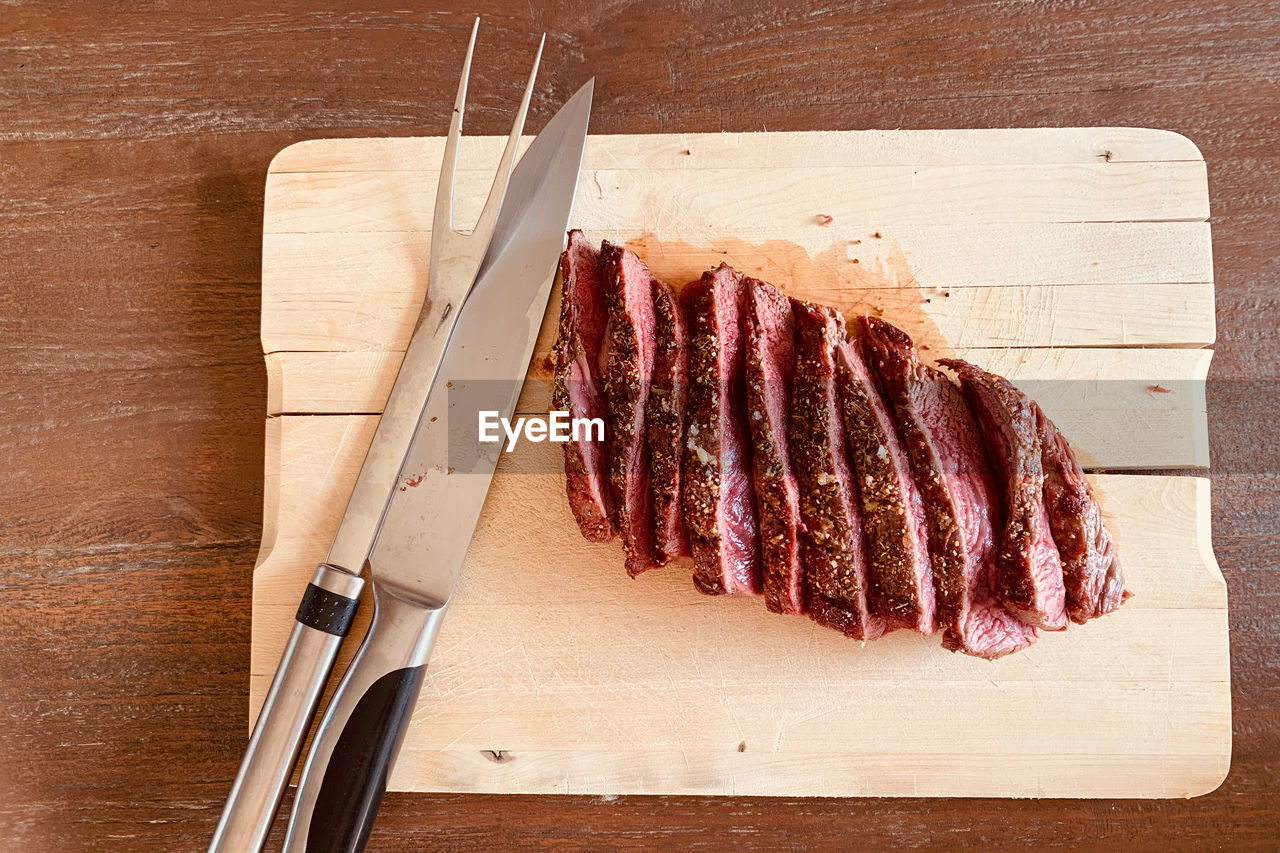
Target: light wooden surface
[[1037, 253]]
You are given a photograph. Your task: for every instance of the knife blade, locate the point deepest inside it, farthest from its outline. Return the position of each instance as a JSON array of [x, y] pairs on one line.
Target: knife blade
[[435, 501]]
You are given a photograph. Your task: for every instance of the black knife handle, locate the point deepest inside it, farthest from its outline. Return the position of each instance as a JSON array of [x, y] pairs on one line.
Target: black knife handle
[[356, 744], [356, 777]]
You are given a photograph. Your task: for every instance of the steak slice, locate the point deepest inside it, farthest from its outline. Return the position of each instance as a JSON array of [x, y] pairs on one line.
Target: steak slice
[[1030, 573], [628, 370], [578, 387], [831, 524], [770, 366], [956, 487], [899, 573], [719, 505], [1090, 569], [664, 422]]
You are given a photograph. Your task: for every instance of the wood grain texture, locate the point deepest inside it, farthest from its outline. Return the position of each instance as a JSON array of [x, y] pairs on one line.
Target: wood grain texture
[[585, 710], [132, 306], [998, 253], [538, 693]]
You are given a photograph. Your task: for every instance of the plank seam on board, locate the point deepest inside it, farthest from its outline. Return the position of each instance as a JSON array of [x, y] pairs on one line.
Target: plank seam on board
[[1179, 445], [1188, 346], [680, 168], [978, 222]]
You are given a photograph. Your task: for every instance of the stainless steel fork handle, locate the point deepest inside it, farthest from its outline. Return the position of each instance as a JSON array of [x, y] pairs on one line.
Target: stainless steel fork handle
[[324, 617], [359, 737]]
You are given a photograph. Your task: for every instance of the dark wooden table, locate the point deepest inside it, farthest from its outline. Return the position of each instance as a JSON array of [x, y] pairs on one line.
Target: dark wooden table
[[134, 140]]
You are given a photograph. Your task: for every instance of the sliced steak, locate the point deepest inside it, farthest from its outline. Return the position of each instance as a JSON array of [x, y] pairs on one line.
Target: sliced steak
[[831, 524], [664, 422], [1090, 570], [1030, 573], [770, 366], [719, 504], [956, 487], [899, 573], [578, 387], [628, 370]]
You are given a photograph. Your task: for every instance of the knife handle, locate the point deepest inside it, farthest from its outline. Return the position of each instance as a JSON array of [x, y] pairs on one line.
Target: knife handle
[[324, 617], [356, 745]]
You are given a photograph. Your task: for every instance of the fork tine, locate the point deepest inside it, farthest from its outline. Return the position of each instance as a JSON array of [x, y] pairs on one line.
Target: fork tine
[[444, 189], [484, 226]]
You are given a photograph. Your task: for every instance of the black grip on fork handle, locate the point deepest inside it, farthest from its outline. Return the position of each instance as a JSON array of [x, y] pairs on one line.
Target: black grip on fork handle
[[327, 611]]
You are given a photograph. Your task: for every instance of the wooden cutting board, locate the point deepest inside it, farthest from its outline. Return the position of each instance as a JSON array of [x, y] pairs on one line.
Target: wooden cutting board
[[1077, 262]]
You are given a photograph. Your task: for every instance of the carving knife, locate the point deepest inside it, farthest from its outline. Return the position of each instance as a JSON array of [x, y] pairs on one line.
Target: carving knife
[[410, 518]]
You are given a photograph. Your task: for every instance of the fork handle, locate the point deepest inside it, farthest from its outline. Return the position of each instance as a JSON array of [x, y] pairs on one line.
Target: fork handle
[[356, 745], [324, 617]]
